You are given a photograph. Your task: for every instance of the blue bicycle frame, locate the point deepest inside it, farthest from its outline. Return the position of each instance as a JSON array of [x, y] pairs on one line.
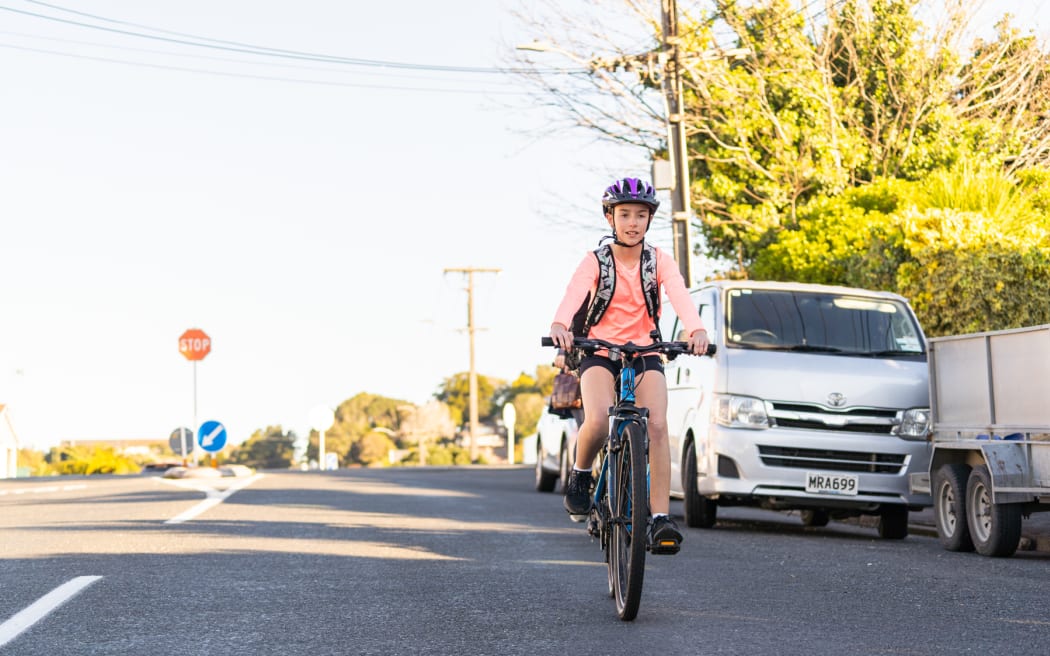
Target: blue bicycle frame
[[619, 416]]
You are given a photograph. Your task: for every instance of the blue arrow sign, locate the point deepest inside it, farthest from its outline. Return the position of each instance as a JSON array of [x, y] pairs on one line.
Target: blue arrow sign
[[212, 436]]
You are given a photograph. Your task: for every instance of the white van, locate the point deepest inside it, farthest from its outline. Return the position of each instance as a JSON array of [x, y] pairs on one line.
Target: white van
[[816, 400]]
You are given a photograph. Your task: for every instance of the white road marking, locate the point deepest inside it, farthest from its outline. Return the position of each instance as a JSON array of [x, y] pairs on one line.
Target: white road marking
[[45, 488], [26, 618], [213, 497]]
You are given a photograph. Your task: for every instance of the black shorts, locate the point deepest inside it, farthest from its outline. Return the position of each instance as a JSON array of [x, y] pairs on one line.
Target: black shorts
[[644, 363]]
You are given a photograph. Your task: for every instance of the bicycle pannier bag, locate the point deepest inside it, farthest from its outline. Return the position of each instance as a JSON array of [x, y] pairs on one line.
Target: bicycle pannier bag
[[566, 394]]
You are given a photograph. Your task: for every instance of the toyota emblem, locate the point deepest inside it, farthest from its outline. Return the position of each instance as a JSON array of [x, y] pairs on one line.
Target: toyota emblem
[[836, 400]]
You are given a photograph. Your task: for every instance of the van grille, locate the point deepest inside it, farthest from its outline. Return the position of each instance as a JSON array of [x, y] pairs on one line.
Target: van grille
[[827, 459], [818, 418]]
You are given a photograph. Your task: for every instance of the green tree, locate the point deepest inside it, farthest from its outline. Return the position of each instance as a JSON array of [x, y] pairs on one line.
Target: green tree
[[372, 449], [966, 273], [969, 247], [269, 448], [425, 426], [528, 408], [455, 391], [355, 418]]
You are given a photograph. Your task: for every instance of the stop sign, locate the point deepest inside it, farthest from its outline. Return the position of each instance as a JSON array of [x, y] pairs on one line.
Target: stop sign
[[195, 344]]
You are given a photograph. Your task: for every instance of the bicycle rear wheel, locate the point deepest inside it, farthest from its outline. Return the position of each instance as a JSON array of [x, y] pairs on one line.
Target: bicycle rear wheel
[[629, 509]]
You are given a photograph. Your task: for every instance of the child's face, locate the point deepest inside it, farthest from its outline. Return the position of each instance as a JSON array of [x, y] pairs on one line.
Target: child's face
[[630, 221]]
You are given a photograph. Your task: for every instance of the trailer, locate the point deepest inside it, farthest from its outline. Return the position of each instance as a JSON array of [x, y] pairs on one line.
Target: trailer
[[990, 436]]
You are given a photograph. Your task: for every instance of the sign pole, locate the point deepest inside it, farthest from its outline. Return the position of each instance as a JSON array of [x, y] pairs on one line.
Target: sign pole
[[321, 420], [194, 406], [194, 344], [182, 442]]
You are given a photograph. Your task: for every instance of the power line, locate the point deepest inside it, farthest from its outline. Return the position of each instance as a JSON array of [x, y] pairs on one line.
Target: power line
[[169, 53], [268, 78], [235, 46]]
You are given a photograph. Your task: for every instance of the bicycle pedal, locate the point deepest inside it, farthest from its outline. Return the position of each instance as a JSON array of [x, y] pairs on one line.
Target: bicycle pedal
[[665, 548]]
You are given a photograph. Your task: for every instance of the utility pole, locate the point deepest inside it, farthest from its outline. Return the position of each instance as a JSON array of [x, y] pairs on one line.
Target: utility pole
[[470, 271], [676, 142]]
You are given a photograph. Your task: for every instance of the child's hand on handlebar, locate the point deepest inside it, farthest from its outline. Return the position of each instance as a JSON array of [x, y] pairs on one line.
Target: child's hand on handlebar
[[698, 342]]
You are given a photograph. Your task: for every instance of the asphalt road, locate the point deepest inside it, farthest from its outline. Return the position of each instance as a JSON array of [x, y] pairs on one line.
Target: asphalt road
[[467, 561]]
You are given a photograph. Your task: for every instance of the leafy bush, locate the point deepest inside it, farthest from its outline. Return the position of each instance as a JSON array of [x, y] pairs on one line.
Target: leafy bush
[[91, 460], [966, 273], [969, 247]]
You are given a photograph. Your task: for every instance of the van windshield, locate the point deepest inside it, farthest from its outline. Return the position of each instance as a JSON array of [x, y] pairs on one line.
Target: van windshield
[[820, 323]]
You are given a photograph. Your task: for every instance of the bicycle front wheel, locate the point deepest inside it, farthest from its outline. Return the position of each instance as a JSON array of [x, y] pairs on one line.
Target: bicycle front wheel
[[629, 506]]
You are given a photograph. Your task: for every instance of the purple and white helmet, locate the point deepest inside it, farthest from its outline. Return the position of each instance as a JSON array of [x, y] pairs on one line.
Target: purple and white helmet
[[629, 190]]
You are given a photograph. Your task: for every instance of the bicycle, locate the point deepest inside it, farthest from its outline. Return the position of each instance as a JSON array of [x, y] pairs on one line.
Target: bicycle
[[623, 477]]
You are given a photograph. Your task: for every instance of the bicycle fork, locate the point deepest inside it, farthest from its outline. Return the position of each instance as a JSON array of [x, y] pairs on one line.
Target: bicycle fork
[[607, 485]]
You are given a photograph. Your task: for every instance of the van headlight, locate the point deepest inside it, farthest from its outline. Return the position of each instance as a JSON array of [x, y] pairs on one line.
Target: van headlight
[[915, 424], [741, 412]]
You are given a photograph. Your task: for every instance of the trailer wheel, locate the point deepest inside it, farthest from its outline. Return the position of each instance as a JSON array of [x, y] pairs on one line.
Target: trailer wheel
[[949, 507], [994, 527]]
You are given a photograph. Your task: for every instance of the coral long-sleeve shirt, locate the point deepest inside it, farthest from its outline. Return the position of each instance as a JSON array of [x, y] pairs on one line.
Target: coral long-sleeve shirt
[[626, 319]]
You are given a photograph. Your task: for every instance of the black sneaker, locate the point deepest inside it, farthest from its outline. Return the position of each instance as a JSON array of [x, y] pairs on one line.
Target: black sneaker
[[664, 536], [578, 493]]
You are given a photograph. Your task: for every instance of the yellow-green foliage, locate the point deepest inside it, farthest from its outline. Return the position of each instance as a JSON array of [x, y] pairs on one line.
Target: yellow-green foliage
[[967, 272], [91, 460], [846, 240], [528, 408], [974, 187], [34, 461], [373, 449], [969, 247], [441, 454]]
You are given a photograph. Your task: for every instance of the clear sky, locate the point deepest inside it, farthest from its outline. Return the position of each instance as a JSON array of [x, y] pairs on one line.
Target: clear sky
[[301, 213]]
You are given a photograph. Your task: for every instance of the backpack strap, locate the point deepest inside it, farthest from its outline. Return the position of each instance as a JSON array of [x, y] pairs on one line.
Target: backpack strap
[[603, 293], [650, 284], [594, 306]]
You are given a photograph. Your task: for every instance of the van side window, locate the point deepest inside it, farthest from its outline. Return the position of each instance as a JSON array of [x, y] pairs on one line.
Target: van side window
[[707, 315], [702, 302], [668, 321]]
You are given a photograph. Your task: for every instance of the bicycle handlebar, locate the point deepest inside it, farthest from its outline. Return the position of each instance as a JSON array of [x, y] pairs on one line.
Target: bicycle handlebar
[[672, 349]]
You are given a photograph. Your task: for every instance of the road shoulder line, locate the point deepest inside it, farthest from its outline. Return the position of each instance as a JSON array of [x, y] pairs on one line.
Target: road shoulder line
[[38, 610]]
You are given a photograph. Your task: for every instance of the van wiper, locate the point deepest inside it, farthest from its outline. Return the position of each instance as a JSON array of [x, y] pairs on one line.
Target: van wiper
[[812, 348], [881, 354], [757, 347]]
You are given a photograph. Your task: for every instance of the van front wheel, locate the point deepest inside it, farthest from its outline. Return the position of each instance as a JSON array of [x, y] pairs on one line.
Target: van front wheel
[[893, 523], [700, 512]]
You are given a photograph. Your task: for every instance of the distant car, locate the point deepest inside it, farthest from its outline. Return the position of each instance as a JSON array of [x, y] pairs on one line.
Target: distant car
[[555, 448]]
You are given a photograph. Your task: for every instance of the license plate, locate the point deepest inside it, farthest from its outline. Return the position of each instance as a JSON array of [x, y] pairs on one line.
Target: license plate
[[817, 483]]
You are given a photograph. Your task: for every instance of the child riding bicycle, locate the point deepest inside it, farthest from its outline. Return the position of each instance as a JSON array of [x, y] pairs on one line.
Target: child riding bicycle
[[621, 313]]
